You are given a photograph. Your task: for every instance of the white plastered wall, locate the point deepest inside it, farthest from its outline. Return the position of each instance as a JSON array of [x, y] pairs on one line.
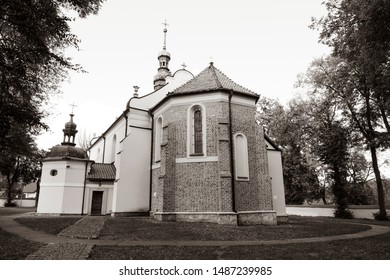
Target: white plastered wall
[[63, 193], [131, 190], [276, 173], [51, 188]]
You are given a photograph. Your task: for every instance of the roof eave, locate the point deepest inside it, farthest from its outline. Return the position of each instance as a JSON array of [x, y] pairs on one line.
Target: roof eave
[[227, 91]]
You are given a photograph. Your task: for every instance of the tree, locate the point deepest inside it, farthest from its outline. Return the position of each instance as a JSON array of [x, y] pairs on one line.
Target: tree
[[85, 141], [333, 151], [335, 78], [20, 162], [358, 71], [317, 146], [33, 36], [286, 127]]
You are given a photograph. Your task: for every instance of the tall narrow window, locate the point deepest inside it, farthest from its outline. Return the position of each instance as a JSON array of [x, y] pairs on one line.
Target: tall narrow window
[[241, 157], [198, 141], [196, 131], [158, 140]]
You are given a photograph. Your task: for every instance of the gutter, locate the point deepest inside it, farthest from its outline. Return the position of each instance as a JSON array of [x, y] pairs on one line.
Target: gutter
[[104, 147], [151, 163], [85, 185], [233, 175]]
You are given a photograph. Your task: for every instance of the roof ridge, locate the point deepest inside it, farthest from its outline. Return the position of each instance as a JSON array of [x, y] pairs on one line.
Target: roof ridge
[[211, 78], [189, 81], [233, 82], [215, 74]]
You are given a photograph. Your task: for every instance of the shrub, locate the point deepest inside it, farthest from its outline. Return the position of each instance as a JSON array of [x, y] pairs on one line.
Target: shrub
[[379, 217], [11, 204], [343, 214]]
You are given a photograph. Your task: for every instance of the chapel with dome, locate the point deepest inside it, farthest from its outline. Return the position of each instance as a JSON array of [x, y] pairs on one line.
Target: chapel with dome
[[191, 150]]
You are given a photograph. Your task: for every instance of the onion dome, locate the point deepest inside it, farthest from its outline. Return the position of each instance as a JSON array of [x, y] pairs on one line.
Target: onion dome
[[164, 53], [66, 152], [159, 76]]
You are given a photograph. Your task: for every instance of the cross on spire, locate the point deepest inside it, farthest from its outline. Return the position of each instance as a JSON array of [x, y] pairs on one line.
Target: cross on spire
[[165, 34], [72, 105], [184, 65], [165, 24]]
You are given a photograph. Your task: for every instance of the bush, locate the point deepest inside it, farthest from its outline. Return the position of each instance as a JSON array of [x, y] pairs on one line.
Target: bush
[[11, 204], [343, 214], [379, 217]]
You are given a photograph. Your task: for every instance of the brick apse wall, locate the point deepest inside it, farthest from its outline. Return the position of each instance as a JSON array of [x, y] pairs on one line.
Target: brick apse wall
[[207, 186]]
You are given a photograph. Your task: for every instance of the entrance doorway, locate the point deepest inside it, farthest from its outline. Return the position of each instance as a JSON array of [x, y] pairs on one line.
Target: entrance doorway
[[97, 201]]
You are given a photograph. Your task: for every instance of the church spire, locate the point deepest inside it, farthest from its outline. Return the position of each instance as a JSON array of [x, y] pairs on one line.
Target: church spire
[[165, 35], [163, 57]]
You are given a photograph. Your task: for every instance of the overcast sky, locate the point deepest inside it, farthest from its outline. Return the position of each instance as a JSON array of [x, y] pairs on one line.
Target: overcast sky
[[261, 45]]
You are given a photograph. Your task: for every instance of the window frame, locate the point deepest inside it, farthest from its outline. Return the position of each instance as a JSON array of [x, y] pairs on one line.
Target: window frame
[[241, 156], [192, 149], [158, 137]]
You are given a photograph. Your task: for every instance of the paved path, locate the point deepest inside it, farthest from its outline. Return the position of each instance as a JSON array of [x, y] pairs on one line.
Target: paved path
[[76, 241], [88, 227]]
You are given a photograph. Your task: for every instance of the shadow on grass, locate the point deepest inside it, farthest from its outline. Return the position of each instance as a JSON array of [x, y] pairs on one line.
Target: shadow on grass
[[13, 247], [50, 225]]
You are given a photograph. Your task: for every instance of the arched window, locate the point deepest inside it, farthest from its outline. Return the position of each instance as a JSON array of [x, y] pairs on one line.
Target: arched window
[[198, 142], [241, 157], [197, 131], [158, 140]]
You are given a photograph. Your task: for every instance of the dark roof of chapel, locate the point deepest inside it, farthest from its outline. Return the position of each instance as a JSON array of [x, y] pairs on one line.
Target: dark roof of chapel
[[66, 152], [211, 79], [102, 172]]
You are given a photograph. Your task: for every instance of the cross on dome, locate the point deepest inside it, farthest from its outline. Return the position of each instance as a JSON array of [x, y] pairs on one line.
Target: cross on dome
[[72, 105]]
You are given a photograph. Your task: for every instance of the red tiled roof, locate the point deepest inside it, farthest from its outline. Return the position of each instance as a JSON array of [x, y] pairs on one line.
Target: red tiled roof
[[211, 79], [102, 172]]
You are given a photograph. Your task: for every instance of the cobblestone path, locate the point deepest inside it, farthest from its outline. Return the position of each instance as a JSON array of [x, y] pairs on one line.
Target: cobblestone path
[[88, 227]]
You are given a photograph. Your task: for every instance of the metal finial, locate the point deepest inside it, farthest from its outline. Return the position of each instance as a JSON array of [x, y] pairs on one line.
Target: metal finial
[[184, 65], [165, 34], [136, 88]]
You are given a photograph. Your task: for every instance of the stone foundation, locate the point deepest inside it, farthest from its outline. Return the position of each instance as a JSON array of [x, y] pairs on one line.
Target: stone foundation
[[230, 218], [208, 217], [283, 219], [128, 214], [256, 218]]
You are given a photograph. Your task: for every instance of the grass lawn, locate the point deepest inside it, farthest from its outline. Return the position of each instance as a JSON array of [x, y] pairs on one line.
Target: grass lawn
[[50, 225], [136, 228], [6, 211], [13, 247], [372, 248], [143, 228]]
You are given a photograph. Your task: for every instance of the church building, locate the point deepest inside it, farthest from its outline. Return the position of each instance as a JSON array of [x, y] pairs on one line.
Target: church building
[[191, 150]]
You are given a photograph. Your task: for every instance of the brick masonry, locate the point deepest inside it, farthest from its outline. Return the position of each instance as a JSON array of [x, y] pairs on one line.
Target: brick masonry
[[206, 187]]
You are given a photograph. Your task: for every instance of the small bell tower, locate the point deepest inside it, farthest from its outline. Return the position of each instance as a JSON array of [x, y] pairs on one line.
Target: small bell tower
[[70, 131], [163, 57]]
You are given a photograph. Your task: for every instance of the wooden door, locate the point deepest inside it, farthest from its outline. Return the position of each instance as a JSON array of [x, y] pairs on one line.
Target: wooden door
[[97, 201]]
